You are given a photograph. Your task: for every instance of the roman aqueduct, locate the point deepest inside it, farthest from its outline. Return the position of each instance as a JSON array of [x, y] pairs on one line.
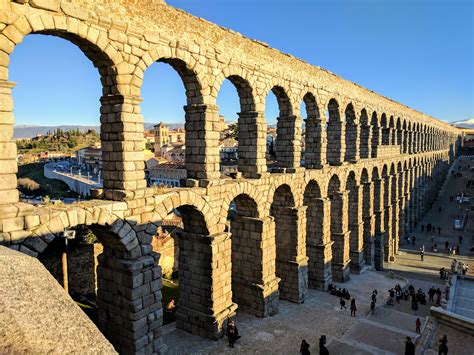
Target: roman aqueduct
[[371, 169]]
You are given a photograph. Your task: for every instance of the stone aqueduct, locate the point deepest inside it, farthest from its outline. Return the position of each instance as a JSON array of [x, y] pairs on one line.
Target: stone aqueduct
[[371, 169]]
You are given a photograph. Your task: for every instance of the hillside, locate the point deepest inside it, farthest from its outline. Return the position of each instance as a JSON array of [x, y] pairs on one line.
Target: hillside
[[59, 141], [30, 131]]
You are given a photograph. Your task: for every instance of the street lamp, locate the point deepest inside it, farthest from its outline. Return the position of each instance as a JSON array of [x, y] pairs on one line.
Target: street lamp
[[67, 234]]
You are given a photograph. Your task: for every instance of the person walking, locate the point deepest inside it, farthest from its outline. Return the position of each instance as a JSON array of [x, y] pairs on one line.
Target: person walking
[[231, 333], [409, 347], [422, 254], [342, 302], [304, 349], [322, 346], [418, 325], [443, 345], [353, 307], [438, 296], [374, 296], [431, 294]]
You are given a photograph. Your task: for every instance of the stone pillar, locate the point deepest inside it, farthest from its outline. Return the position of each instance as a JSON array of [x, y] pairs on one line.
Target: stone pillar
[[401, 224], [340, 235], [379, 225], [376, 140], [369, 223], [8, 151], [121, 134], [351, 141], [252, 144], [388, 213], [254, 284], [315, 143], [129, 302], [386, 136], [291, 259], [336, 143], [202, 142], [205, 284], [288, 143], [366, 139], [356, 228], [319, 247], [410, 142], [405, 141]]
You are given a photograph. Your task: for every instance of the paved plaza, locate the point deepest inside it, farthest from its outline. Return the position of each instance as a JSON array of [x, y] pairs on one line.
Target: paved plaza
[[445, 211], [384, 332]]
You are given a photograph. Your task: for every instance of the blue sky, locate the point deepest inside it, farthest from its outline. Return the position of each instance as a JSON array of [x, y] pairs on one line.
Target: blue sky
[[418, 52]]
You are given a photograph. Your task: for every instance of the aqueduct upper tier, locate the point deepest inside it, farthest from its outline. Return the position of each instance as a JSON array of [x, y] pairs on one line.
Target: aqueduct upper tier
[[370, 169]]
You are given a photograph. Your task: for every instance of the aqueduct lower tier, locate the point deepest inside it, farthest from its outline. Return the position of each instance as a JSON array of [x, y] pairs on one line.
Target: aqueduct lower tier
[[290, 232], [369, 170]]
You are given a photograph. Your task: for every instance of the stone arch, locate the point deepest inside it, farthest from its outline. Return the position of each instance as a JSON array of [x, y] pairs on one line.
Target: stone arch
[[385, 129], [94, 44], [289, 243], [365, 135], [317, 237], [351, 134], [288, 135], [376, 136], [253, 253], [354, 218], [338, 230], [251, 159], [245, 189], [392, 131], [405, 137], [244, 83], [367, 216], [399, 134], [189, 70], [315, 154], [283, 99], [335, 150], [126, 259]]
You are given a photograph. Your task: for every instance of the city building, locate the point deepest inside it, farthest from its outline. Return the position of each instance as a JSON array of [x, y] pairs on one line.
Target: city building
[[165, 173], [164, 137]]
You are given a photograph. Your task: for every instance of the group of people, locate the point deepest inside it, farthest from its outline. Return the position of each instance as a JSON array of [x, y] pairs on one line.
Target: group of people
[[304, 349], [430, 228], [458, 267], [432, 292], [416, 297], [337, 291], [353, 306]]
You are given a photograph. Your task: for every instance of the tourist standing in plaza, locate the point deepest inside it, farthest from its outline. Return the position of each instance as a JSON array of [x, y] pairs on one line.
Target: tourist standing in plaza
[[353, 308], [418, 325], [342, 302], [322, 346], [443, 345], [304, 349], [409, 347]]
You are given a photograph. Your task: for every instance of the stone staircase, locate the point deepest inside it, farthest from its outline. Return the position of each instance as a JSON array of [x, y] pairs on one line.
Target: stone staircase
[[383, 332]]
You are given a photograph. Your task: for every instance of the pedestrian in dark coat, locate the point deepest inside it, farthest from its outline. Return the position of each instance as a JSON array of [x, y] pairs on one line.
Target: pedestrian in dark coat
[[322, 346], [409, 347], [304, 349], [353, 307]]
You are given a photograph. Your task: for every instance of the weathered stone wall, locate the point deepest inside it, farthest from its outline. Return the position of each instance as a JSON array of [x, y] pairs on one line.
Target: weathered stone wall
[[355, 140]]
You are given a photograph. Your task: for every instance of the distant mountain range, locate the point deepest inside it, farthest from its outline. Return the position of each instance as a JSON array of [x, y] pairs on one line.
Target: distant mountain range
[[30, 131], [469, 123]]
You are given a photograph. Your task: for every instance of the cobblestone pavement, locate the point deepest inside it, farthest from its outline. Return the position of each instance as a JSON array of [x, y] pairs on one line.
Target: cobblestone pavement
[[450, 210], [282, 334]]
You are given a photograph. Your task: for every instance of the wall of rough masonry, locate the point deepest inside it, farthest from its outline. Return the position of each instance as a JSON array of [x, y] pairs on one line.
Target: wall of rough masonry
[[396, 156]]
